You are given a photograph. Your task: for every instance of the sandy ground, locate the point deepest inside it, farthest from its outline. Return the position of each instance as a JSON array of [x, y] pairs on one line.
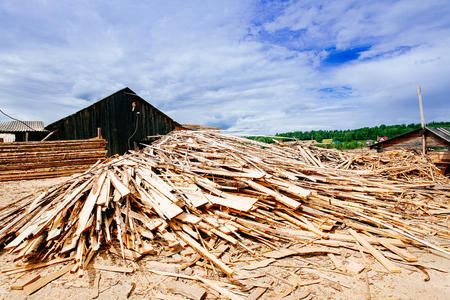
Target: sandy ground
[[372, 283]]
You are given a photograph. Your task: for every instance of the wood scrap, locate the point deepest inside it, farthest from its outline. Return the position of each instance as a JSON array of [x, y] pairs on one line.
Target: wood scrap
[[377, 254], [113, 268], [299, 251], [38, 284], [199, 190], [25, 281], [259, 264], [191, 291], [257, 293]]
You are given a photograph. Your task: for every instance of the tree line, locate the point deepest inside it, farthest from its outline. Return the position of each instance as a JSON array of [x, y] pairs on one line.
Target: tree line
[[365, 133]]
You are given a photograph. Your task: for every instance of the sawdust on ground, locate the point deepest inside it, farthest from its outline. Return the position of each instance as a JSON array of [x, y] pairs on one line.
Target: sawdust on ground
[[372, 283]]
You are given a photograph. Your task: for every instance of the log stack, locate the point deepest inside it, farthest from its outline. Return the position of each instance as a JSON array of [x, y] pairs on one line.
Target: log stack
[[33, 160], [211, 192]]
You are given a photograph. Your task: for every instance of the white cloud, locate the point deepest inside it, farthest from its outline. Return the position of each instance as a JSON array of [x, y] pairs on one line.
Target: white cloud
[[212, 63]]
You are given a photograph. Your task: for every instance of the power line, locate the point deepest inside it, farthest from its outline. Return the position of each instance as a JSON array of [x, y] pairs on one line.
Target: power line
[[16, 120]]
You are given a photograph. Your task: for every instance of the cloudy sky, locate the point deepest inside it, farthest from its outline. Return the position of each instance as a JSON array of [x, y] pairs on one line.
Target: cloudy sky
[[257, 67]]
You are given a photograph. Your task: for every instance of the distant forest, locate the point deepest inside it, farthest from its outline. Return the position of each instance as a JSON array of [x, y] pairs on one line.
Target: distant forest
[[350, 138], [365, 133]]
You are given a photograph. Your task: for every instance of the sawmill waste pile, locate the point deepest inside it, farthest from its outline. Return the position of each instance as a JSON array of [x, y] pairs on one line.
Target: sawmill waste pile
[[208, 192]]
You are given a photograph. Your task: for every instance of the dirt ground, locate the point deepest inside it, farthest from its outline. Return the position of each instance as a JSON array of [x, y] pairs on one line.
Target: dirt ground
[[313, 276]]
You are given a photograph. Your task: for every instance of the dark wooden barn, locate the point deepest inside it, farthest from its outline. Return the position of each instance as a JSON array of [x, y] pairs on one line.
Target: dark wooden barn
[[124, 118]]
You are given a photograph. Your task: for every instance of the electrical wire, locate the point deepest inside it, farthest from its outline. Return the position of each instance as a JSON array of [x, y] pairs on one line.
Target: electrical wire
[[17, 120], [135, 130]]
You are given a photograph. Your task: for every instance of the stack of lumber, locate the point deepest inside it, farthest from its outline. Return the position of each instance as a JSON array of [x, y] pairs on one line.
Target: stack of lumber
[[209, 192], [32, 160]]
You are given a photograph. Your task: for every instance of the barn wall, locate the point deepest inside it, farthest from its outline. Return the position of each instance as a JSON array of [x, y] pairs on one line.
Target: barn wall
[[116, 120]]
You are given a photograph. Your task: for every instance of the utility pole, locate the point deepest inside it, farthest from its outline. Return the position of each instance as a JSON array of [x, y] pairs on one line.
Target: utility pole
[[424, 139]]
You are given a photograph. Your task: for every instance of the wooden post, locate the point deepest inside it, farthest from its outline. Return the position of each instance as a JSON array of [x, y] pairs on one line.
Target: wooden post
[[424, 138], [26, 136], [99, 132]]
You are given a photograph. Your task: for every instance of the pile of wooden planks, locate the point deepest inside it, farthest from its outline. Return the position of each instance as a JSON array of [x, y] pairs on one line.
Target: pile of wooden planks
[[32, 160], [207, 191], [396, 164]]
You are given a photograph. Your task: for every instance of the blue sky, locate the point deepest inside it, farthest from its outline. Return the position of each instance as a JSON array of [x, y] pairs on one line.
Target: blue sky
[[254, 67]]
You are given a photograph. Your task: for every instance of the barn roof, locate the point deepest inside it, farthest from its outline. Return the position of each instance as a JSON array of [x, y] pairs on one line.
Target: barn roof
[[21, 126], [442, 132], [125, 90]]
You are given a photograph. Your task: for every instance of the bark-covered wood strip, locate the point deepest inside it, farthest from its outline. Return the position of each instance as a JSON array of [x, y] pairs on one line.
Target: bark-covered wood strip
[[20, 161]]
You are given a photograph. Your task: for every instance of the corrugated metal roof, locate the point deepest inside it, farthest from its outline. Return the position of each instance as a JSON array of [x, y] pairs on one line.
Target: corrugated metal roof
[[16, 126], [442, 132]]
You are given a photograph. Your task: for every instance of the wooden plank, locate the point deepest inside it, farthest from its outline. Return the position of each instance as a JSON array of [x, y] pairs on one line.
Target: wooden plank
[[41, 282], [337, 263], [283, 199], [400, 252], [35, 266], [290, 188], [113, 268], [202, 251], [259, 264], [191, 291], [25, 281], [120, 187], [257, 293], [377, 254], [105, 192], [284, 252], [231, 201], [89, 204], [162, 204], [305, 225], [188, 218]]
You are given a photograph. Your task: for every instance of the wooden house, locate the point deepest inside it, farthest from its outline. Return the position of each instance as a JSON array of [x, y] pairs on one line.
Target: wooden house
[[21, 131], [435, 141], [124, 118]]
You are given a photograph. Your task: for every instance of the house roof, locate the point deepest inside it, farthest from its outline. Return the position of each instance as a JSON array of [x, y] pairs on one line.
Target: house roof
[[125, 90], [441, 132], [21, 126]]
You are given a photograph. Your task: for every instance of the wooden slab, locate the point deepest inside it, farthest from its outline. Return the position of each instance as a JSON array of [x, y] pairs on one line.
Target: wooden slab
[[38, 284], [284, 252]]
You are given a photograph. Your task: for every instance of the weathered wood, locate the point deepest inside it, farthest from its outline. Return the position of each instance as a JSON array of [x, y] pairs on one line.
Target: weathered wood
[[33, 287], [113, 268], [32, 160], [117, 119], [299, 251], [383, 260], [25, 281], [247, 196], [202, 251]]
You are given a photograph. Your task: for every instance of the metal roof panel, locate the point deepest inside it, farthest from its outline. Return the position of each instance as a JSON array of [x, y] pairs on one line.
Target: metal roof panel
[[24, 126]]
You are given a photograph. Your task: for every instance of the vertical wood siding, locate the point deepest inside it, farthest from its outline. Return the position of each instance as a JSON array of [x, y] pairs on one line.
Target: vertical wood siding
[[114, 116]]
